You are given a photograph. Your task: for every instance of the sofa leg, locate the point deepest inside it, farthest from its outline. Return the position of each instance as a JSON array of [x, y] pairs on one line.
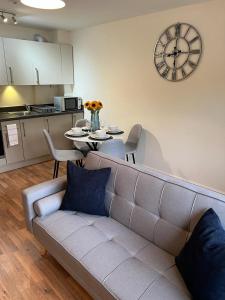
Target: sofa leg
[[127, 157], [133, 158], [44, 253], [54, 169], [57, 169]]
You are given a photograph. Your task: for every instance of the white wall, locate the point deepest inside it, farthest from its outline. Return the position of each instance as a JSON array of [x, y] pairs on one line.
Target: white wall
[[184, 122]]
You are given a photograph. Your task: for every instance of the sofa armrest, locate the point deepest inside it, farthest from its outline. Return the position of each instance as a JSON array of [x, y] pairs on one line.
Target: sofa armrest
[[37, 192], [49, 204]]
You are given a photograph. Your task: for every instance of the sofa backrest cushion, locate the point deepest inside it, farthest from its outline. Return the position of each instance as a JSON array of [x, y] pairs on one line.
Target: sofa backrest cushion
[[162, 208]]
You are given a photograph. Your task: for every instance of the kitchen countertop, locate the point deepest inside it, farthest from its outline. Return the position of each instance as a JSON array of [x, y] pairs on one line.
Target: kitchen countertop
[[18, 115]]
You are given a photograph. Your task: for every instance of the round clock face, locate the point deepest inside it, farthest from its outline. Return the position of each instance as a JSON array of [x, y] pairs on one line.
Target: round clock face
[[178, 52]]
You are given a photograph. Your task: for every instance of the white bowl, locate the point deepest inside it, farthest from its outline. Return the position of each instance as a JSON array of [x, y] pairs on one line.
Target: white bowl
[[100, 133], [77, 130], [113, 128]]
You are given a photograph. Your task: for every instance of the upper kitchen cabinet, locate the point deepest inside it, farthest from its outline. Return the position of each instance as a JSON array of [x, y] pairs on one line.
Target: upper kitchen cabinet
[[34, 63], [47, 63], [19, 61], [3, 74], [67, 64]]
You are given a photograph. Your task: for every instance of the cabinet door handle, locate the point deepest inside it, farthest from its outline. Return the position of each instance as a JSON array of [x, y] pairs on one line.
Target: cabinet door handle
[[24, 132], [48, 126], [7, 140], [11, 75], [37, 76]]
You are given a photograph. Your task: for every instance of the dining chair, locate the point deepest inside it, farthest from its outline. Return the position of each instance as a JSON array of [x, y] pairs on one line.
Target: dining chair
[[61, 155], [114, 148], [81, 123], [80, 145], [132, 141]]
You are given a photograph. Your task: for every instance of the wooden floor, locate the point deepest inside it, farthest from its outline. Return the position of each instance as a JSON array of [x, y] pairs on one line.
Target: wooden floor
[[24, 273]]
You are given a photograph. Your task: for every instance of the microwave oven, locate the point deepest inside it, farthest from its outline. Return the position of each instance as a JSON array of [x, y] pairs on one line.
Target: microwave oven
[[67, 103]]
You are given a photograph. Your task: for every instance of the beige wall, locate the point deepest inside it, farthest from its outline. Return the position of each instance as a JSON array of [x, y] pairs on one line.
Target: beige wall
[[20, 95], [184, 122]]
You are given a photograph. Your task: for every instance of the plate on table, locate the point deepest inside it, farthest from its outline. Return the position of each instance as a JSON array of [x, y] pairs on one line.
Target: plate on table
[[95, 137], [70, 133], [86, 129], [115, 132]]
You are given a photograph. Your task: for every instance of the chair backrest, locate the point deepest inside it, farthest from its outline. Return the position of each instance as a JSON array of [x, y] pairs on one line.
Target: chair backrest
[[114, 148], [49, 143], [81, 123], [135, 134]]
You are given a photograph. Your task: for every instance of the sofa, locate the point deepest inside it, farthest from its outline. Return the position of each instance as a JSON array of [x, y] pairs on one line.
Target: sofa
[[130, 254]]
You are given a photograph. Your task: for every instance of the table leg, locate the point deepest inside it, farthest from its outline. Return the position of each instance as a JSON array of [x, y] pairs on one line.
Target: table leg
[[93, 146]]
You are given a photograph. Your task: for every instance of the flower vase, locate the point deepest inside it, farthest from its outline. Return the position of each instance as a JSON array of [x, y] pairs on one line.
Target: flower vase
[[95, 124]]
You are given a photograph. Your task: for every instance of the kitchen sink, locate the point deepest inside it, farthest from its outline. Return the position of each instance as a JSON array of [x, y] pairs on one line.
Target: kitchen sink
[[22, 113]]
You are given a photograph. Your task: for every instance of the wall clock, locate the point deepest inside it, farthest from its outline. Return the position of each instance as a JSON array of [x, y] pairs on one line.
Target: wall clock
[[178, 52]]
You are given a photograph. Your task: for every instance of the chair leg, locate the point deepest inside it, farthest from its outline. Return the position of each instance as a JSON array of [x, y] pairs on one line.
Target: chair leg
[[57, 169], [133, 158], [55, 163], [79, 163], [127, 157]]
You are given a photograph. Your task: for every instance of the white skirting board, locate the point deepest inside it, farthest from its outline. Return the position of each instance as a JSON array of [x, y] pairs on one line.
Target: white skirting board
[[9, 167]]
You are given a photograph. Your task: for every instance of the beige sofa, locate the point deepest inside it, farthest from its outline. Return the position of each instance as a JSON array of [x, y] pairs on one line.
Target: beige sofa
[[129, 255]]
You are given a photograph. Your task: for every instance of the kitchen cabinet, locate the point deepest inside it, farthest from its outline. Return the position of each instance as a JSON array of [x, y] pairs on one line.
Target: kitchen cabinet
[[67, 64], [34, 63], [47, 63], [57, 126], [34, 144], [19, 61], [13, 154], [3, 74]]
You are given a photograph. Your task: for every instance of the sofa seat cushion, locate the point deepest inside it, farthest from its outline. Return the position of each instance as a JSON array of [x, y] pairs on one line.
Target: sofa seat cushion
[[127, 265]]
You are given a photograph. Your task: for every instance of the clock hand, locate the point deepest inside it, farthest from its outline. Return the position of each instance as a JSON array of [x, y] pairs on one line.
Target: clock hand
[[176, 44], [174, 62]]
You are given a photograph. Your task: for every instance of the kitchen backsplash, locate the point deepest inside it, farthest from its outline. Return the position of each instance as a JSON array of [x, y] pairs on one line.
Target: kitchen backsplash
[[20, 95]]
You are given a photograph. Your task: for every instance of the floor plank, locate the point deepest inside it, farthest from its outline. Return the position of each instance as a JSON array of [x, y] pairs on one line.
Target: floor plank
[[24, 273]]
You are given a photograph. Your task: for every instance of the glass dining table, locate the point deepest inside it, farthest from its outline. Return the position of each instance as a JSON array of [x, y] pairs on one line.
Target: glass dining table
[[91, 140]]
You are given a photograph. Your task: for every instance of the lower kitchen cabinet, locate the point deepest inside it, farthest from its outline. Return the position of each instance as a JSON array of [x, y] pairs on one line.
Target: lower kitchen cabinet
[[31, 141], [34, 144], [57, 126], [13, 154]]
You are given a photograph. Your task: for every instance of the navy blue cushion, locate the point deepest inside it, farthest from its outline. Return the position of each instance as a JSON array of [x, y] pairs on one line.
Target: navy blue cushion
[[202, 260], [85, 190]]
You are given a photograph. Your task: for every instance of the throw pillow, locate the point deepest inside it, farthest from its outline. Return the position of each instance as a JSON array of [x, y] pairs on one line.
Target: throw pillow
[[85, 190], [202, 260]]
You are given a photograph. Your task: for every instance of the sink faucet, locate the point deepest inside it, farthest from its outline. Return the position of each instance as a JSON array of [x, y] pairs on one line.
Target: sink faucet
[[27, 107]]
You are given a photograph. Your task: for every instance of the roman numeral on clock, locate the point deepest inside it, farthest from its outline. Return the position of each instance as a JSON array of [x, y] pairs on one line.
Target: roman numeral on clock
[[165, 72], [160, 65], [159, 54], [178, 30], [161, 43], [194, 40], [195, 51], [192, 64], [168, 36], [174, 75], [184, 74]]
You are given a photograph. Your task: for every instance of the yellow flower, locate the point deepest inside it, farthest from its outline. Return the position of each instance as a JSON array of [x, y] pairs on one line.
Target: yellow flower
[[100, 105], [94, 105], [87, 105]]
